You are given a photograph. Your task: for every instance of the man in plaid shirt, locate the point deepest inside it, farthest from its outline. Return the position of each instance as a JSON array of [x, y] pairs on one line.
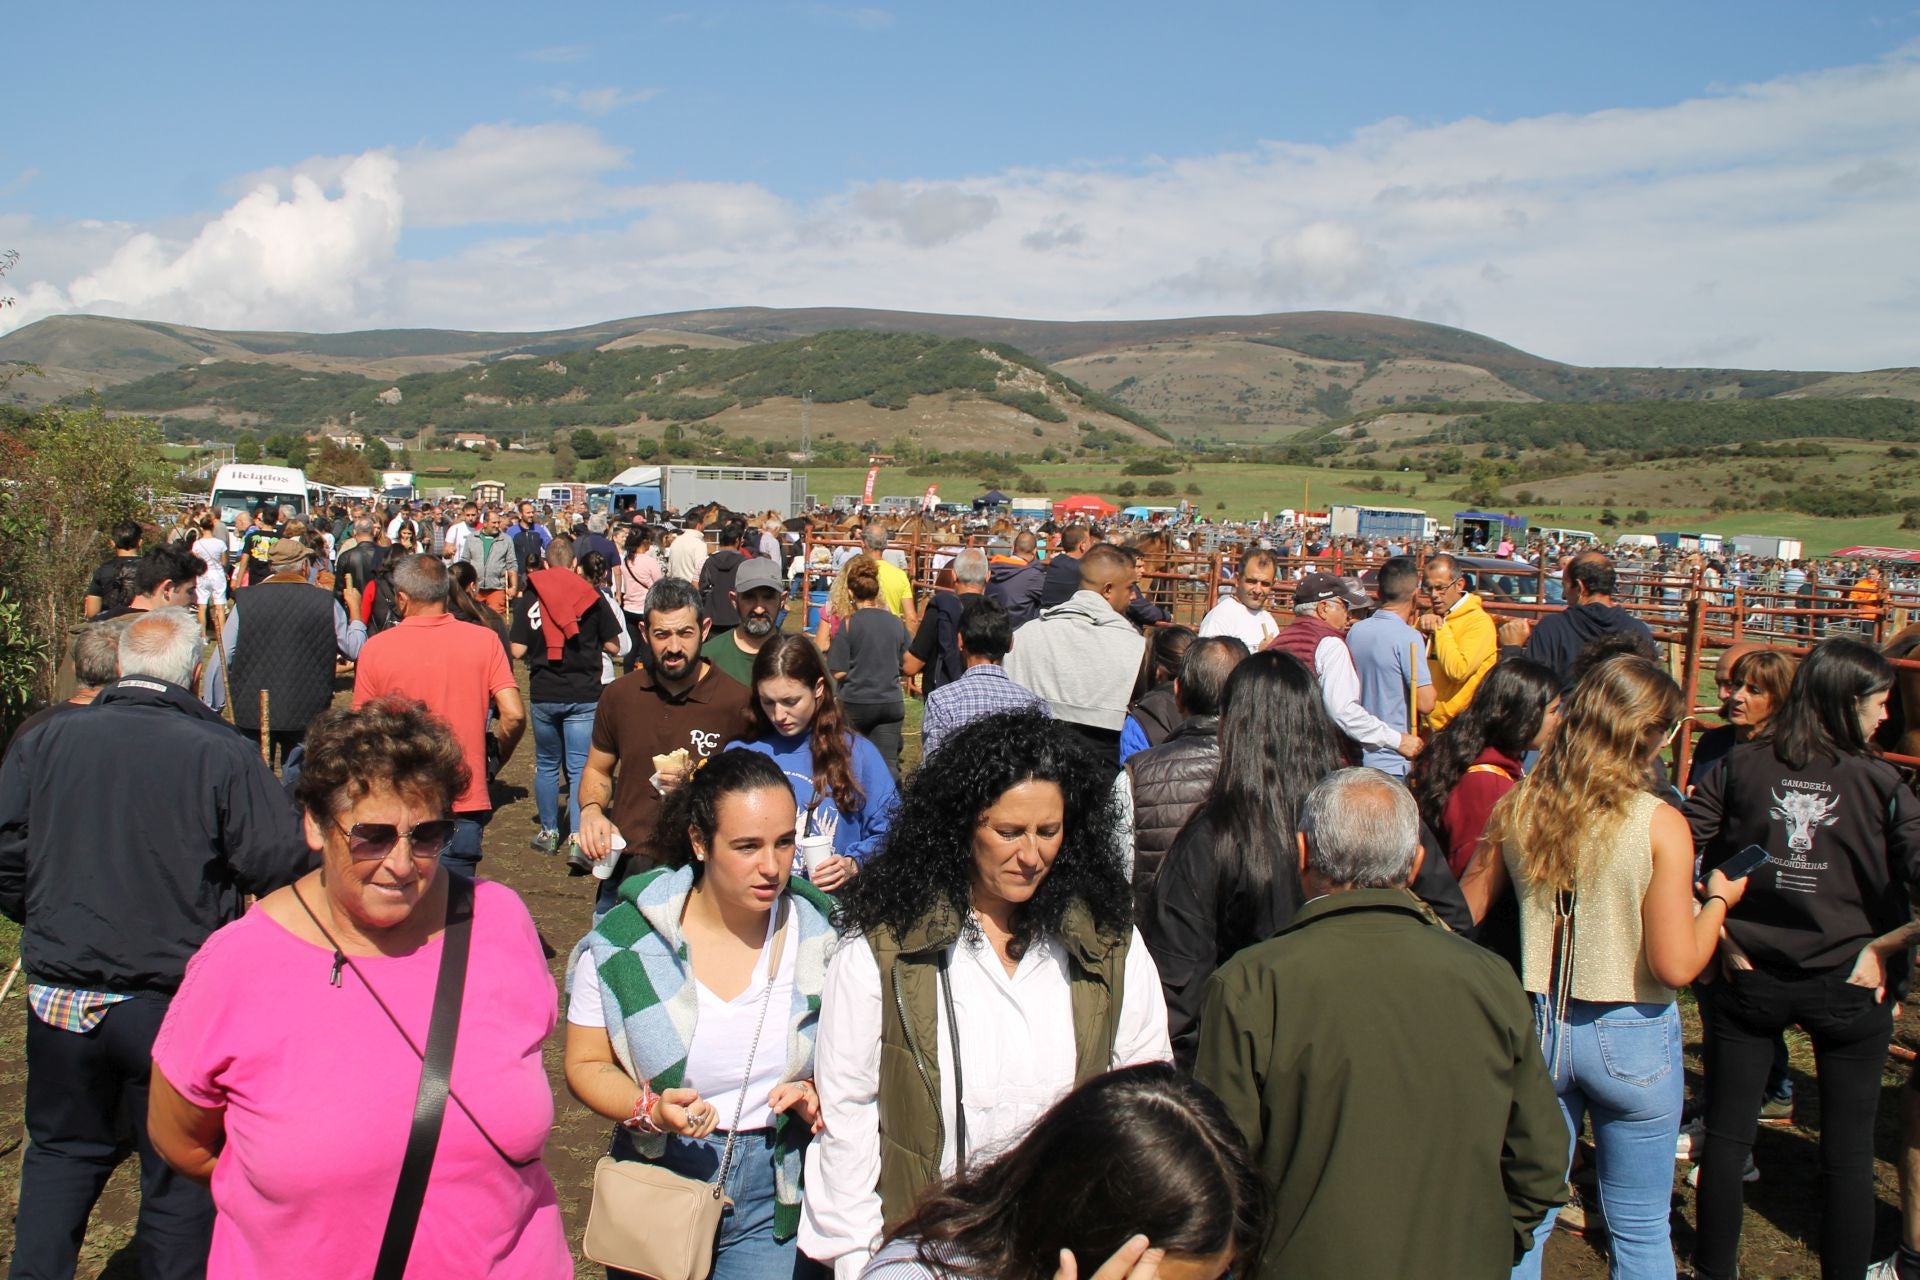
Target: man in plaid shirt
[[986, 634]]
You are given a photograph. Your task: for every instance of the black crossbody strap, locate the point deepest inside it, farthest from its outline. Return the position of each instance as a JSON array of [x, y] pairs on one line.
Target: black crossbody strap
[[436, 1070]]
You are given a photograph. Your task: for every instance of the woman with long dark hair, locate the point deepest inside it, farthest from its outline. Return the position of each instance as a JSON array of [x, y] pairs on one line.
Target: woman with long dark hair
[[1476, 759], [1154, 713], [840, 784], [1810, 942], [1603, 871], [991, 965], [1140, 1159], [639, 569], [1227, 882]]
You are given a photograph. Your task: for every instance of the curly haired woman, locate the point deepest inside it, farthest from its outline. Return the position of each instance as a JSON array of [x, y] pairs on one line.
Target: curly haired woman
[[991, 965]]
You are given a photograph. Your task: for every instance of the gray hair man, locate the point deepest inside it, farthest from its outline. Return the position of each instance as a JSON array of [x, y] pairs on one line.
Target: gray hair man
[[1422, 1045], [935, 649], [105, 938]]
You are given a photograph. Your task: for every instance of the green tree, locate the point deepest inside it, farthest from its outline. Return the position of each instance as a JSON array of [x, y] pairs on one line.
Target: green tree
[[337, 464], [565, 461], [1126, 489], [378, 456], [1160, 489], [298, 452], [1609, 517], [66, 475], [586, 445], [247, 449]]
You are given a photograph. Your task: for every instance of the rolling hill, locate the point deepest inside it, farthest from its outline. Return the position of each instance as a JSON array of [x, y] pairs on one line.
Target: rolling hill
[[1223, 378]]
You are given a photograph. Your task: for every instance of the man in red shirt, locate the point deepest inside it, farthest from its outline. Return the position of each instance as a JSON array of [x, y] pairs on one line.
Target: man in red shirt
[[459, 672]]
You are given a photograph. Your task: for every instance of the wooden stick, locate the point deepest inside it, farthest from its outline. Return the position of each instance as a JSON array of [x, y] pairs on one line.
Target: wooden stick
[[1413, 687], [11, 975], [266, 748]]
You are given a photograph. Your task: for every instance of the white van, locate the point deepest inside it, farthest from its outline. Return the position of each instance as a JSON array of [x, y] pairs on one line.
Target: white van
[[1636, 540], [245, 486]]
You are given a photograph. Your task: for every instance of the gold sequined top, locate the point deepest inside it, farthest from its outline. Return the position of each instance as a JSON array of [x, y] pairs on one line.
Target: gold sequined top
[[1609, 952]]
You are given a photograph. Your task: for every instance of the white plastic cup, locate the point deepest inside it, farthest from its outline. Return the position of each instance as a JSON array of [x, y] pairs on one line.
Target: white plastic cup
[[603, 869], [814, 851]]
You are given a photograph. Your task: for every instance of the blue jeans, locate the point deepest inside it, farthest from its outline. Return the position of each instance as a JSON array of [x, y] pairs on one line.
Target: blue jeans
[[745, 1248], [463, 851], [559, 727], [1620, 1064]]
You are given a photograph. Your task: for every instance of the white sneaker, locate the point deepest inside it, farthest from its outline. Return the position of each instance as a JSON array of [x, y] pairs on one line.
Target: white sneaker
[[1691, 1135], [1749, 1174]]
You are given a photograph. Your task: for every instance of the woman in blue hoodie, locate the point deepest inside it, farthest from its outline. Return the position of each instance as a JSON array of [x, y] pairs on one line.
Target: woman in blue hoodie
[[841, 784]]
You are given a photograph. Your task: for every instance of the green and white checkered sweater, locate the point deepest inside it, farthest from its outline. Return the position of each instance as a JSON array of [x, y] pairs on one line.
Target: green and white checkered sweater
[[647, 991]]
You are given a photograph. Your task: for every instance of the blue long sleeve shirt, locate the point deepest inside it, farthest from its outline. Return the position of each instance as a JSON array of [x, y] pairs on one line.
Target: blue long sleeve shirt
[[860, 832]]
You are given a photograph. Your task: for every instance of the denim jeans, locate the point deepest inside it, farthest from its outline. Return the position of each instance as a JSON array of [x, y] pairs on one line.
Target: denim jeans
[[561, 731], [1620, 1064], [745, 1248], [1850, 1033], [463, 851]]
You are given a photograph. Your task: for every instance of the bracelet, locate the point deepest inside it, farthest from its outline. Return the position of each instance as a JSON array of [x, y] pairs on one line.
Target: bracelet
[[1714, 897], [642, 1117]]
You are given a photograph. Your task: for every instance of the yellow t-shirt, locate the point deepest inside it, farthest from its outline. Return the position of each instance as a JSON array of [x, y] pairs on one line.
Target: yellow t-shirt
[[896, 588]]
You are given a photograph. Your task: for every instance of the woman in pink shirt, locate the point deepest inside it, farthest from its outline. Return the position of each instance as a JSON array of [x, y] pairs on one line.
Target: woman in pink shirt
[[286, 1069], [639, 569]]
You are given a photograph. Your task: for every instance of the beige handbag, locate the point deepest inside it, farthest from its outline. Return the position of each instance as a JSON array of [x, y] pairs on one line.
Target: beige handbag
[[652, 1221]]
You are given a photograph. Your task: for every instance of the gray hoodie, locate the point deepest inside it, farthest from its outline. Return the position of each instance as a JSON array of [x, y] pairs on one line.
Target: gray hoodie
[[1082, 657]]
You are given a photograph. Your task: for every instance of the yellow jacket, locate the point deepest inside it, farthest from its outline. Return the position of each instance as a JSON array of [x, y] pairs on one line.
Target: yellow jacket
[[1464, 649]]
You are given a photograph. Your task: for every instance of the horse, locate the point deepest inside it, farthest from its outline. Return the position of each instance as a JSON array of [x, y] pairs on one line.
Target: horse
[[1901, 732]]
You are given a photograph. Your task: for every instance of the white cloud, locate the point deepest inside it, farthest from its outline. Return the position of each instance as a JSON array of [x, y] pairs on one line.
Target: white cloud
[[1771, 223], [598, 102]]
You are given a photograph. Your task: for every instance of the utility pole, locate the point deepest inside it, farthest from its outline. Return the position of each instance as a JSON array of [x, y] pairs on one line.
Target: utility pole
[[806, 425]]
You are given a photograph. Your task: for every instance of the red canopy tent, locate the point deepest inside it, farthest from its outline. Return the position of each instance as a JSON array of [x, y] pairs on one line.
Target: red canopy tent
[[1084, 504], [1900, 554]]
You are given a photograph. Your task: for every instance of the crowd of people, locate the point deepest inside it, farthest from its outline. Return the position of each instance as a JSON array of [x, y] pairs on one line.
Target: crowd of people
[[1345, 940]]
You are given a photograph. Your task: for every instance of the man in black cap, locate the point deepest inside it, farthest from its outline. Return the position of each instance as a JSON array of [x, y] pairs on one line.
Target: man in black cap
[[1324, 606]]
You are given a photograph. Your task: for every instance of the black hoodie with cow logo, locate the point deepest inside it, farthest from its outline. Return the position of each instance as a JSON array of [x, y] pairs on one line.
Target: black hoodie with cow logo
[[1843, 852]]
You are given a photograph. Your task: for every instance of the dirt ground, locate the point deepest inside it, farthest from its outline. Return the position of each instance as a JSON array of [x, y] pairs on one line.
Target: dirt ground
[[1782, 1207]]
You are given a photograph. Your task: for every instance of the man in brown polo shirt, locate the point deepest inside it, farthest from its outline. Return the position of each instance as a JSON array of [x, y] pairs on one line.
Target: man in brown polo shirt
[[685, 702]]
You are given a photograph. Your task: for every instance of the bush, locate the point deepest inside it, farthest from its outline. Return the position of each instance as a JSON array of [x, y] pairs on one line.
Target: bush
[[1160, 489], [1126, 489], [1150, 467]]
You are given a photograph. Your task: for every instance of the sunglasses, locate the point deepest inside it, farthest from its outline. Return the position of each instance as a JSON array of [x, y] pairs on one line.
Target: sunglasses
[[373, 841]]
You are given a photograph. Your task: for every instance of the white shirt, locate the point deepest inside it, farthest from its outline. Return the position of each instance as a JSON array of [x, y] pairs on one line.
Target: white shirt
[[457, 535], [686, 554], [1340, 691], [723, 1034], [1017, 1054], [1231, 618]]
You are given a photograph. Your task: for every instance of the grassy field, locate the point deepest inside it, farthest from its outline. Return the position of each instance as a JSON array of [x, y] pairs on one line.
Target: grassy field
[[1675, 494]]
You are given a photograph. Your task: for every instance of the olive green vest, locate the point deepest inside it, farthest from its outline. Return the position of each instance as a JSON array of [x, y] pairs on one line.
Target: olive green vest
[[912, 1132]]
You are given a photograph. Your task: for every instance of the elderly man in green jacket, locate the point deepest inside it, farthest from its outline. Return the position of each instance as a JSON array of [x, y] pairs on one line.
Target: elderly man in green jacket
[[1385, 1071]]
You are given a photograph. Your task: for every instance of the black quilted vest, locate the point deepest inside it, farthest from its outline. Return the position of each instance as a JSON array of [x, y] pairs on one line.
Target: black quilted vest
[[286, 647]]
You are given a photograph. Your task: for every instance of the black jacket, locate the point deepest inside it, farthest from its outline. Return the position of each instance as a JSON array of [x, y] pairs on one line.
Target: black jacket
[[717, 577], [1185, 925], [1559, 637], [132, 829], [1169, 782], [1157, 712], [1843, 844], [1062, 580]]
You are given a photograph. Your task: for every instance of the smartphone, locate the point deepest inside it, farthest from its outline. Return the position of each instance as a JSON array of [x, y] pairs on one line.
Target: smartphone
[[1744, 863]]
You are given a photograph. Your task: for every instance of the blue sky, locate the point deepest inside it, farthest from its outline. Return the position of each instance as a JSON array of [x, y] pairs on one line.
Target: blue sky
[[541, 166]]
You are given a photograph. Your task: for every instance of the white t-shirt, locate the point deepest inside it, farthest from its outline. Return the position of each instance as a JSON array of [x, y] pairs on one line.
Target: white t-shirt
[[211, 585], [1231, 618], [723, 1034], [457, 535]]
